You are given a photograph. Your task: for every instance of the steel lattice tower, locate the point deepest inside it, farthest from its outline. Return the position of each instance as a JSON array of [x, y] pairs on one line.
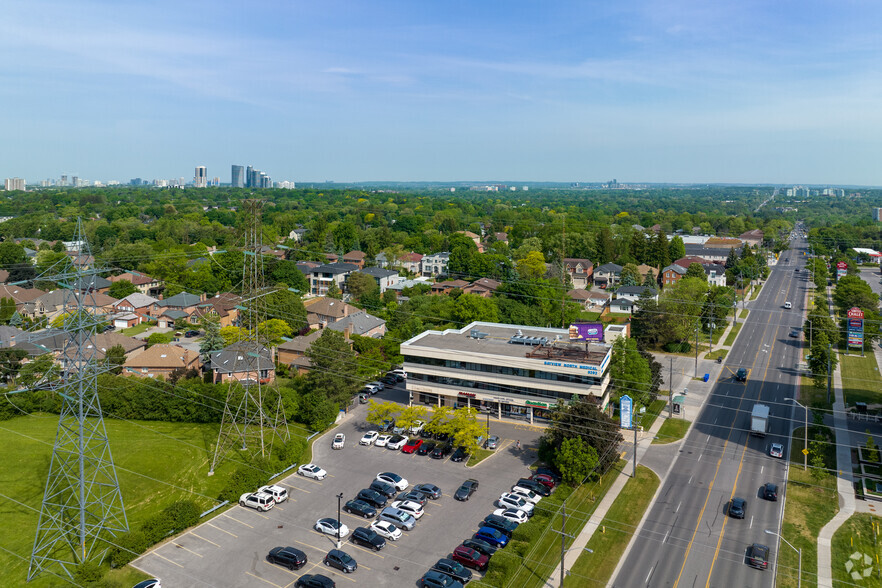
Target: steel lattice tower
[[82, 504], [253, 417]]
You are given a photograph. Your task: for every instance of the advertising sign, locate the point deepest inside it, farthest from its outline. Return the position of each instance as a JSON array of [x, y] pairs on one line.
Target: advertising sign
[[586, 332], [855, 313], [855, 327], [855, 324], [841, 269], [625, 410]]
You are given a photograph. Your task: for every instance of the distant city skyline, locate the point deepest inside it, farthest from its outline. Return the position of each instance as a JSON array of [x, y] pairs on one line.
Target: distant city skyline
[[648, 92]]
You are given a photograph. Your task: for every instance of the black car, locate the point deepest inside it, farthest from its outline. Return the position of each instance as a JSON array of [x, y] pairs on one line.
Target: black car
[[535, 486], [480, 546], [466, 490], [389, 380], [315, 581], [413, 496], [441, 436], [360, 508], [436, 579], [553, 474], [341, 560], [367, 538], [387, 490], [501, 524], [372, 497], [426, 434], [758, 556], [426, 447], [737, 507], [430, 490], [453, 569], [441, 451], [290, 557], [191, 334], [460, 455], [794, 333], [770, 492]]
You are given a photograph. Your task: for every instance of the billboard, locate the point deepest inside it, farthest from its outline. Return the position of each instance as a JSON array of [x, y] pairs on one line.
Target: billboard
[[586, 332], [841, 269]]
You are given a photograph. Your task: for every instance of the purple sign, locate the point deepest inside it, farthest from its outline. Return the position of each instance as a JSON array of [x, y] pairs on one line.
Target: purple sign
[[586, 332]]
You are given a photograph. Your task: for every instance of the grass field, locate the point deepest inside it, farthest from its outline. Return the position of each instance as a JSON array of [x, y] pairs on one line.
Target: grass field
[[860, 534], [860, 378], [156, 462], [652, 412], [717, 353], [671, 430], [619, 523], [730, 338], [535, 547]]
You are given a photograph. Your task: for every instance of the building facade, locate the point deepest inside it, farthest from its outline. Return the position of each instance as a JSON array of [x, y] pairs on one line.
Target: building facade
[[200, 179], [505, 370], [237, 176]]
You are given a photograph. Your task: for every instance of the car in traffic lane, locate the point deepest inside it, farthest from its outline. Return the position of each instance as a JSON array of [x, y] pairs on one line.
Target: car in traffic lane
[[776, 450]]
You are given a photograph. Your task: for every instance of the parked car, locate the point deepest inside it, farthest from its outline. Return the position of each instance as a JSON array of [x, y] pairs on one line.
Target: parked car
[[426, 434], [368, 538], [314, 581], [400, 372], [414, 509], [465, 491], [412, 496], [441, 451], [770, 492], [310, 470], [382, 440], [545, 480], [152, 582], [776, 450], [512, 514], [378, 385], [737, 506], [509, 500], [289, 557], [442, 437], [459, 455], [386, 530], [397, 517], [387, 426], [453, 569], [329, 526], [471, 558], [339, 440], [416, 428], [387, 490], [337, 558], [426, 448], [500, 524], [536, 487], [430, 490], [758, 556], [394, 479], [396, 442], [257, 500], [480, 546], [369, 438], [492, 442], [527, 493], [398, 377], [492, 536], [412, 445], [191, 333], [369, 390], [551, 473], [372, 497], [436, 579], [278, 493], [389, 380], [360, 508]]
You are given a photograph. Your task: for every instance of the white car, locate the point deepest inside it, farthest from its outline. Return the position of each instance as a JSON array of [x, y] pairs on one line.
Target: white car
[[278, 493], [416, 427], [382, 440], [328, 526], [397, 442], [512, 514], [259, 500], [386, 529], [400, 483], [400, 372], [410, 507], [378, 385], [777, 450], [339, 440], [509, 500], [526, 493], [788, 305], [369, 438], [310, 470]]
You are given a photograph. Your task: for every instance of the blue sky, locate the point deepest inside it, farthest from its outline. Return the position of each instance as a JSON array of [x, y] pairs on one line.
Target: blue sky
[[642, 91]]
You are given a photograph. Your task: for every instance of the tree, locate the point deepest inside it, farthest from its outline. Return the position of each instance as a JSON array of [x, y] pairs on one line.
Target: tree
[[41, 370], [649, 280], [676, 248], [7, 309], [851, 291], [817, 451], [334, 291], [360, 284], [575, 460], [822, 356], [121, 289], [439, 421], [568, 421], [332, 365], [471, 307], [317, 411], [695, 271], [630, 275], [272, 332], [410, 415], [116, 358], [732, 259], [682, 305], [10, 363], [379, 412], [212, 340], [629, 371], [872, 448], [158, 339], [532, 267], [647, 324], [465, 429]]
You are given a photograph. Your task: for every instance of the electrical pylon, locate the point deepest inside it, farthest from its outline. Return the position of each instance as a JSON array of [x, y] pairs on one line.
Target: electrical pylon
[[254, 417], [82, 503]]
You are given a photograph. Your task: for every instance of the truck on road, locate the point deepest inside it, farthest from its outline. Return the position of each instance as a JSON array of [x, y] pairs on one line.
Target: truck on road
[[759, 420]]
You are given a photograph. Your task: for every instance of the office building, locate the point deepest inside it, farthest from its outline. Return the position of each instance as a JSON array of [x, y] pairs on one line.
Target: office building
[[14, 184], [877, 213], [505, 370], [237, 178], [200, 180]]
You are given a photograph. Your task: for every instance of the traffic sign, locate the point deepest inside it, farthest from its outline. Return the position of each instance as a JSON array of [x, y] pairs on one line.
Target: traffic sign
[[625, 409], [805, 451]]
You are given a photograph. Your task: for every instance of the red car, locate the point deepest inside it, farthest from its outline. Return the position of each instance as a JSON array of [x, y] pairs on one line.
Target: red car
[[412, 445], [470, 558], [546, 481]]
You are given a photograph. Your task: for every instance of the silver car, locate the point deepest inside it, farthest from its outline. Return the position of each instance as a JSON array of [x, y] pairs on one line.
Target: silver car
[[492, 442]]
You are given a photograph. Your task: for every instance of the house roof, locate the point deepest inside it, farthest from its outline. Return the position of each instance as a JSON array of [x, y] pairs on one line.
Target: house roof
[[182, 300], [162, 356], [645, 269], [20, 294], [676, 269], [57, 298], [450, 284], [638, 290], [335, 268], [300, 344], [377, 272], [468, 234], [411, 257], [689, 260], [91, 283], [622, 303], [137, 300], [574, 261], [358, 323], [722, 241], [443, 255], [578, 294], [240, 357], [326, 306], [752, 234], [702, 251], [355, 254], [175, 314], [610, 268], [135, 278], [99, 344], [487, 284], [10, 335], [501, 236]]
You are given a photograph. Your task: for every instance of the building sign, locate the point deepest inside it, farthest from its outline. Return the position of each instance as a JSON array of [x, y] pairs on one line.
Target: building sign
[[592, 369], [586, 332], [625, 408], [841, 269], [855, 327], [531, 403], [467, 394], [855, 313]]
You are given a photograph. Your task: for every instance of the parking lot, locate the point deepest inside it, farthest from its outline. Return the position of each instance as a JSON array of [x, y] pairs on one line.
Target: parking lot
[[231, 549]]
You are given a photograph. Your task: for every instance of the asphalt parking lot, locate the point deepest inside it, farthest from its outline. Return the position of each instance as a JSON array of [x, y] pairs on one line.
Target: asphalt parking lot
[[231, 548]]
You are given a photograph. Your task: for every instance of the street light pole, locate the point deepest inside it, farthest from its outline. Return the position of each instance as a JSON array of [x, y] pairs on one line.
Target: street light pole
[[798, 551], [805, 445], [339, 502]]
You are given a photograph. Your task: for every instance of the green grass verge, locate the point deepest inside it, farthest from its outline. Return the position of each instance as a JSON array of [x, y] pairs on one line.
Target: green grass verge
[[810, 505], [813, 396], [730, 338], [671, 430], [718, 353], [859, 534], [157, 463], [744, 313], [655, 408], [534, 550], [479, 456], [618, 526], [755, 292], [860, 378], [137, 329]]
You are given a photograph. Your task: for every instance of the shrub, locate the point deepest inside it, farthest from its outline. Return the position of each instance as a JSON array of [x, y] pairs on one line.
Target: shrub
[[133, 541], [246, 478]]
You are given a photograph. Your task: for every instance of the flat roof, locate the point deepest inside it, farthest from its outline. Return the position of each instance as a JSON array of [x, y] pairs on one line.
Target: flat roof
[[494, 340]]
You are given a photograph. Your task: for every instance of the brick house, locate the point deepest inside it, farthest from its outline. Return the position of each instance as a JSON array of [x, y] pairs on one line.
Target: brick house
[[448, 286], [580, 271], [136, 303], [293, 353], [144, 283], [161, 360], [321, 312], [483, 287], [672, 274], [244, 361], [355, 257]]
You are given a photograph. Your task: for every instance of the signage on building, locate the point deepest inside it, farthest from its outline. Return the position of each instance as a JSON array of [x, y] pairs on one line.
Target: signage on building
[[586, 332], [468, 394], [841, 269], [625, 408], [592, 369], [531, 403]]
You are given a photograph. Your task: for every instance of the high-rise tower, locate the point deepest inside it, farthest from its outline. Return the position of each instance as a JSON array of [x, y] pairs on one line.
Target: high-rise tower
[[237, 177], [200, 180]]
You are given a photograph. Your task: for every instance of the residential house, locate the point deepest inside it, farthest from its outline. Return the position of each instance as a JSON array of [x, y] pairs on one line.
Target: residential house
[[20, 295], [78, 260], [360, 323], [306, 267], [331, 258], [472, 236], [580, 271], [293, 353], [161, 360], [178, 307], [689, 260], [483, 287], [355, 257], [224, 307], [716, 273], [634, 293], [448, 286], [709, 254], [136, 303], [297, 235], [501, 237], [92, 283], [608, 274], [644, 270], [435, 264], [622, 305], [672, 274], [752, 238], [321, 312], [382, 260], [57, 302], [144, 283], [384, 278], [244, 361], [94, 347], [321, 278], [726, 243], [411, 262]]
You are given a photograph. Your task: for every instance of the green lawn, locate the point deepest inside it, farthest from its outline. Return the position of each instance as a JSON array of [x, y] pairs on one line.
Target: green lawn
[[717, 353], [744, 314], [137, 329], [157, 463], [479, 456], [860, 378], [812, 395], [730, 338], [655, 408], [535, 548], [619, 523], [671, 430], [857, 535]]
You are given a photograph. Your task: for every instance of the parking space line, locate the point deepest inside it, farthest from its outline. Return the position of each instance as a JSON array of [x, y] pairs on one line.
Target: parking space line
[[203, 538], [308, 545], [337, 574], [262, 580], [179, 546], [295, 488], [226, 516], [357, 517], [157, 554], [224, 530], [281, 568], [366, 550]]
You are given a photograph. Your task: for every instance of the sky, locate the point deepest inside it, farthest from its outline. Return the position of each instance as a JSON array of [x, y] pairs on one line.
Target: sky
[[697, 91]]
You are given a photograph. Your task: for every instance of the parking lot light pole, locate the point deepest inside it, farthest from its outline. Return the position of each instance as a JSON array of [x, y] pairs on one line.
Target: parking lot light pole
[[339, 502], [805, 446], [798, 552]]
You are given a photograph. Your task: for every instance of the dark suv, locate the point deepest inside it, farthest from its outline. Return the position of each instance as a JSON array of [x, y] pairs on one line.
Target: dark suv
[[537, 487], [441, 451], [290, 557], [499, 523], [770, 492], [460, 455], [360, 508], [758, 556], [367, 538], [741, 375], [315, 581], [387, 490], [372, 497], [453, 569], [737, 508]]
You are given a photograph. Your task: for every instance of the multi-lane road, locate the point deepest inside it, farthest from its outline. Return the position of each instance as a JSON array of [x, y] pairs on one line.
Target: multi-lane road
[[687, 539]]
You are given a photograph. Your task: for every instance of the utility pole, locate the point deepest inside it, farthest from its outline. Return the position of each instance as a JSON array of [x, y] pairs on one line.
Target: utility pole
[[634, 473], [696, 349], [563, 540], [829, 371], [671, 390]]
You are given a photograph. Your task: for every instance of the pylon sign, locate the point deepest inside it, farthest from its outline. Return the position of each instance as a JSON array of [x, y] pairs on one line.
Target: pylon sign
[[855, 327], [626, 409]]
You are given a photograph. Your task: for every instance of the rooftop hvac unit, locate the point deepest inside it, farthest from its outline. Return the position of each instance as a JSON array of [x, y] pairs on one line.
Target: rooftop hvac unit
[[476, 334]]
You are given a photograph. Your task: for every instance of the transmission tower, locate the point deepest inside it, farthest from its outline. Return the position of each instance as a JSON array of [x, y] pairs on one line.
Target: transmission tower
[[82, 504], [253, 417]]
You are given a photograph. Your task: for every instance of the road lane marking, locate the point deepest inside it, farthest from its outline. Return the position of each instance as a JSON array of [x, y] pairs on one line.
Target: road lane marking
[[690, 480], [676, 510], [649, 575], [751, 522]]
